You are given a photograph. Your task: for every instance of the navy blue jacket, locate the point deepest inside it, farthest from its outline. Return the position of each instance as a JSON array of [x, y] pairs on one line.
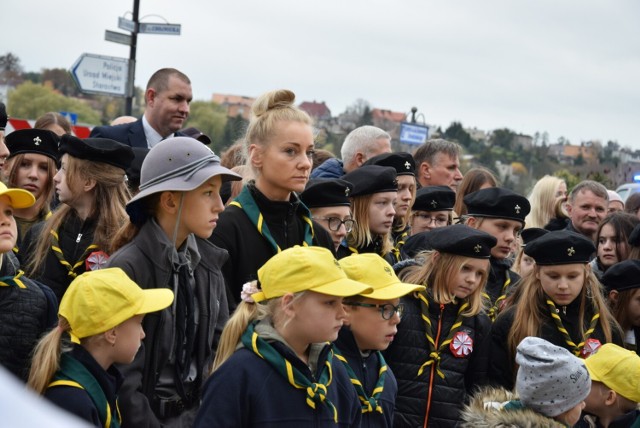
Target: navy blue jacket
[[131, 134], [246, 391], [331, 168], [367, 370]]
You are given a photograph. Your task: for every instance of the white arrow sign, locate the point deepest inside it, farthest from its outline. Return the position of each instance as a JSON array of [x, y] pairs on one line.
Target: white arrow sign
[[97, 74]]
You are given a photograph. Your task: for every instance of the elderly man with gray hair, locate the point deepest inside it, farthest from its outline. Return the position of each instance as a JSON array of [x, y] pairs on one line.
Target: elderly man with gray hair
[[361, 144], [438, 164], [587, 207]]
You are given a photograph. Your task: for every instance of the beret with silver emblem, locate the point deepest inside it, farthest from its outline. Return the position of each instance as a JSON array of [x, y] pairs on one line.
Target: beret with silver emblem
[[369, 179], [39, 141], [560, 247], [461, 240], [102, 150], [326, 192], [622, 276], [434, 198], [497, 202], [403, 163]]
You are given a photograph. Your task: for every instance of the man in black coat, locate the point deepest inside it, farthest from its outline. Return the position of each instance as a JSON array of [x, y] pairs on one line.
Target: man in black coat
[[167, 98]]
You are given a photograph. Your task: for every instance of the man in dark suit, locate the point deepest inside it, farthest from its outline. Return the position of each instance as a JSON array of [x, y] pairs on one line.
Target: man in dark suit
[[167, 98]]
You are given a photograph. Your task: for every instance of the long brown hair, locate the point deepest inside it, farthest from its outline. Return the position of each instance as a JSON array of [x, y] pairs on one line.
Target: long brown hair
[[437, 272], [110, 195], [620, 307], [43, 204], [361, 235], [531, 309]]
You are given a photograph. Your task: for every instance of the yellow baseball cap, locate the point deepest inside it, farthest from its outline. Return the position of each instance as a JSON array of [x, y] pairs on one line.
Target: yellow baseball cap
[[305, 268], [617, 368], [373, 270], [19, 198], [99, 300]]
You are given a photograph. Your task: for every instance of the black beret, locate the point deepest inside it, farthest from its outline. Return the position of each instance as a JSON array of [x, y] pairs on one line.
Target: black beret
[[560, 247], [532, 233], [461, 240], [497, 202], [326, 192], [40, 141], [370, 179], [3, 116], [622, 276], [634, 238], [102, 150], [414, 244], [403, 163], [434, 198]]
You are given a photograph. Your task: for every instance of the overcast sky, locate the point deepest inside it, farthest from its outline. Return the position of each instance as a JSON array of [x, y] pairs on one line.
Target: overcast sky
[[571, 68]]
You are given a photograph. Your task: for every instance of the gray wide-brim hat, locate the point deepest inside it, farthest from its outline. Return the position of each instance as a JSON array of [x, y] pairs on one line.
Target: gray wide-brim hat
[[177, 164]]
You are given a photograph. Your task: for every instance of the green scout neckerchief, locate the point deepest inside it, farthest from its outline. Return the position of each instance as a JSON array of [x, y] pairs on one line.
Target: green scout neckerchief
[[399, 244], [12, 281], [316, 391], [434, 354], [576, 349], [369, 404], [245, 202], [495, 307], [73, 373], [71, 270]]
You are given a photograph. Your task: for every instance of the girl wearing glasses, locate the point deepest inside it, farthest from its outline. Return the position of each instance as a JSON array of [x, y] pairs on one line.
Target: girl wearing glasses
[[373, 200], [370, 327], [440, 353], [328, 201]]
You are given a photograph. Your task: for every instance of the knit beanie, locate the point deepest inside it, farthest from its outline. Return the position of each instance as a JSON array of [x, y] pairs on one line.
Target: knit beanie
[[550, 379]]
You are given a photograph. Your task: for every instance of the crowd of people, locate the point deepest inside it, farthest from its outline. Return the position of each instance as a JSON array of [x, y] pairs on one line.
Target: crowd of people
[[147, 282]]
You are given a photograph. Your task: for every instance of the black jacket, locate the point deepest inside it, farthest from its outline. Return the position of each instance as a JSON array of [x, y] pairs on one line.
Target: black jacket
[[374, 247], [148, 260], [248, 250], [366, 370], [74, 236], [498, 271], [410, 349], [25, 315], [501, 369], [78, 401]]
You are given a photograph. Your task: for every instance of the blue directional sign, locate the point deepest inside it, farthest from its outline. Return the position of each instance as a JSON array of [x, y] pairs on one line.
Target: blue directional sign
[[413, 133], [71, 117]]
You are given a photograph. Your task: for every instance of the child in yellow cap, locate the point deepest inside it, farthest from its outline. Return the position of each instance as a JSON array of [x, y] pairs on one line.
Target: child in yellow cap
[[101, 312], [371, 325], [274, 367], [615, 387]]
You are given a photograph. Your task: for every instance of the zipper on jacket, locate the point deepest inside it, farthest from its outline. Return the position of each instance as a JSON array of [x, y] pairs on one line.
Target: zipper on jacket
[[433, 367]]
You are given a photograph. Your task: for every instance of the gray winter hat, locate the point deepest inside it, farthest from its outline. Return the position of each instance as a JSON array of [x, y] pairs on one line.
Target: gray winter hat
[[176, 164], [550, 380]]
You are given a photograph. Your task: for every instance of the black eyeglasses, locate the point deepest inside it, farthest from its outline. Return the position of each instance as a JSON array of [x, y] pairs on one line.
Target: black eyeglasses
[[335, 223], [387, 310], [437, 221]]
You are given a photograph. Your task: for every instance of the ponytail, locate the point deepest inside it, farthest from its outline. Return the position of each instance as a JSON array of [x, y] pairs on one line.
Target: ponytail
[[46, 357]]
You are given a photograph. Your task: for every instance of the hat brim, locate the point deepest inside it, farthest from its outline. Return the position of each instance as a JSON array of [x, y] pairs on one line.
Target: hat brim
[[155, 299], [342, 287], [393, 291], [19, 198], [497, 216]]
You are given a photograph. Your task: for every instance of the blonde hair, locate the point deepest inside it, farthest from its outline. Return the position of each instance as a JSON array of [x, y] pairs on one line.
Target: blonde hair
[[531, 309], [437, 272], [46, 357], [110, 195], [361, 235], [43, 204], [245, 314], [267, 110], [543, 201]]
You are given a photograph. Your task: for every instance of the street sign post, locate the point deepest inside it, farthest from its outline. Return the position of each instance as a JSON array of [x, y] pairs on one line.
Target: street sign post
[[413, 134], [114, 36], [159, 28], [98, 74]]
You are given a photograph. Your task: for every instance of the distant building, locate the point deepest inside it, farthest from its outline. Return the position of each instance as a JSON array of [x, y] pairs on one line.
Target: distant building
[[388, 120], [318, 111], [523, 141], [568, 153], [235, 104], [477, 134]]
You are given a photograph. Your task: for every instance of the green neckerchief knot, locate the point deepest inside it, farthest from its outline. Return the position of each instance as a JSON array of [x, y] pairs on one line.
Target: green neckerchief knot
[[435, 349], [316, 391], [246, 202], [575, 348], [71, 270], [12, 281], [369, 404]]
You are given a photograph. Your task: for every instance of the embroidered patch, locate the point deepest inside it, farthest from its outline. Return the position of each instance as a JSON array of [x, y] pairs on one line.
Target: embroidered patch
[[517, 208], [570, 251], [407, 165], [96, 260], [477, 248], [434, 204], [461, 345], [591, 346]]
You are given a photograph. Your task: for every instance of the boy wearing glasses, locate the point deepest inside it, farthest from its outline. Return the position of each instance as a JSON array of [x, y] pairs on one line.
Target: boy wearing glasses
[[328, 201], [370, 327]]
